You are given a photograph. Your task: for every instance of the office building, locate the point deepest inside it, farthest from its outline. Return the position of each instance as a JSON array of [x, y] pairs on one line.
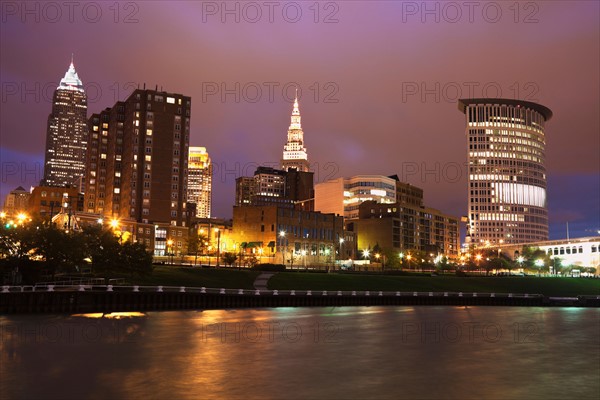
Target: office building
[[507, 171], [66, 134], [269, 186], [405, 228], [294, 152], [294, 237], [343, 196], [200, 181], [16, 202]]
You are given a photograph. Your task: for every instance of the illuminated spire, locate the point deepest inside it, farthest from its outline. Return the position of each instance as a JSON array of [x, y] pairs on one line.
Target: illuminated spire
[[71, 80], [294, 152], [296, 114]]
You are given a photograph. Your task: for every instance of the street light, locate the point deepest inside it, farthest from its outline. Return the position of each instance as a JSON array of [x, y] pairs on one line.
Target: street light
[[340, 251], [21, 217], [218, 232], [170, 250], [478, 258], [366, 253], [281, 250], [540, 264]]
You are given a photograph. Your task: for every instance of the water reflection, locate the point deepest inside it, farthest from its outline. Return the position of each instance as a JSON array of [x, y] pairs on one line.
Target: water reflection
[[348, 352]]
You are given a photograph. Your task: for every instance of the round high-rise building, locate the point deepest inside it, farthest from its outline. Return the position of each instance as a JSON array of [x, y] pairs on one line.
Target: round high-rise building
[[507, 172]]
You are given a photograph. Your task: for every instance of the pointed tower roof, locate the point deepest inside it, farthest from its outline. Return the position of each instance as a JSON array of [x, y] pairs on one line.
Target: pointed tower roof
[[71, 80], [295, 120]]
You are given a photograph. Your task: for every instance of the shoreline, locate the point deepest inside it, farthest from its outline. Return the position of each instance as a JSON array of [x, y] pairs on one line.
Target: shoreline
[[169, 298]]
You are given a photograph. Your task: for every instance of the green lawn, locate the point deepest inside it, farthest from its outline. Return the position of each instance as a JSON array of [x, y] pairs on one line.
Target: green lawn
[[549, 286], [197, 277], [244, 279]]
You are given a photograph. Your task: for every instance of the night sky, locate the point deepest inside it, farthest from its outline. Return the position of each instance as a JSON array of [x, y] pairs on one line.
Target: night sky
[[379, 83]]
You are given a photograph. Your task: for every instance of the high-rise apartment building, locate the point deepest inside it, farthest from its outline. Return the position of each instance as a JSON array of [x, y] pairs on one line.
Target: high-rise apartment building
[[138, 159], [200, 181], [294, 152], [507, 171], [66, 134]]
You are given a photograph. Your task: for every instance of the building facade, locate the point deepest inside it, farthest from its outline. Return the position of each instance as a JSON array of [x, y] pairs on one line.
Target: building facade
[[66, 134], [343, 196], [284, 188], [137, 162], [15, 202], [578, 252], [507, 170], [404, 227], [291, 237], [47, 201], [200, 181], [294, 152]]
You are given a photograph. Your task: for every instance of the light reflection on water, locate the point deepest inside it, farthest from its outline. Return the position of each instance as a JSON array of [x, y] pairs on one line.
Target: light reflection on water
[[348, 352]]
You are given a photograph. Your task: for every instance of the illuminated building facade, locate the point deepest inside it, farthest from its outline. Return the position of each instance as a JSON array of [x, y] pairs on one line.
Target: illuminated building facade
[[578, 252], [16, 201], [290, 236], [66, 135], [507, 172], [294, 152], [344, 196], [269, 186], [46, 201], [200, 181], [137, 163], [405, 227]]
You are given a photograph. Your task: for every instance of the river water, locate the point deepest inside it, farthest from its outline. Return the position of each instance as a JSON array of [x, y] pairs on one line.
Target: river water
[[305, 353]]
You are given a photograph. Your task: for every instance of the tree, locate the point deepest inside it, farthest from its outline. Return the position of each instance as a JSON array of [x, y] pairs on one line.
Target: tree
[[229, 258], [531, 255], [136, 259], [103, 248], [252, 260]]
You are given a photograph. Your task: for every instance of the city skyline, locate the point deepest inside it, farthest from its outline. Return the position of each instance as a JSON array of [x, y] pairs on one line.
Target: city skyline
[[382, 121]]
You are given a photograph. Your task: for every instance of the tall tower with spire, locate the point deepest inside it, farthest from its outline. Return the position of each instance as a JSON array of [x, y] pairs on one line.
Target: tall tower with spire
[[294, 152], [66, 134]]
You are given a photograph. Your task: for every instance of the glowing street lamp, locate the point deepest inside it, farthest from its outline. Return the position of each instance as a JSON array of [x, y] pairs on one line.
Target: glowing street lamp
[[281, 249], [21, 217], [366, 253], [170, 248], [540, 264]]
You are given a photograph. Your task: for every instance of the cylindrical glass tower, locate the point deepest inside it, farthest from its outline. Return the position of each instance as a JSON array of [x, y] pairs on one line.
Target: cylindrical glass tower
[[507, 172]]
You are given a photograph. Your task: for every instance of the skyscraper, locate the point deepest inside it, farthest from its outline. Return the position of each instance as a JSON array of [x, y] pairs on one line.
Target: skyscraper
[[200, 181], [294, 152], [138, 159], [66, 135], [507, 171]]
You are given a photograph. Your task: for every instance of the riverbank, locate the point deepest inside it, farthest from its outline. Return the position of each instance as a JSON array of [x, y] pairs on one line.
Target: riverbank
[[108, 299], [306, 280]]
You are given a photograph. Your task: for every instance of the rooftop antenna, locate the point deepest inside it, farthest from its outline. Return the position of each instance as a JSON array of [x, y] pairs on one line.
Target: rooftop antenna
[[567, 231]]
